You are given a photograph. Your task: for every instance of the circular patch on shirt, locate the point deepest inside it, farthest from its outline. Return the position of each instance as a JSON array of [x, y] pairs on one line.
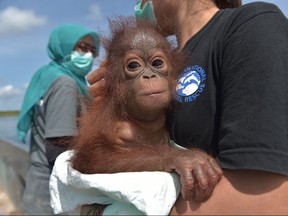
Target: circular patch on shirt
[[190, 84]]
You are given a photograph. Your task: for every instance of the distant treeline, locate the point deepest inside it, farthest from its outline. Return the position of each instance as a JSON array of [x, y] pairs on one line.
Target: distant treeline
[[9, 113]]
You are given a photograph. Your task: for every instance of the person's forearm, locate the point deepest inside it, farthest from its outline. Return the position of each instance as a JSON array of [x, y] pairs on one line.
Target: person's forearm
[[241, 193]]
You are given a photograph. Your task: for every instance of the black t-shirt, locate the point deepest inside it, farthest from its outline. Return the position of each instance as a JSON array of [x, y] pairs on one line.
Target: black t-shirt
[[233, 95]]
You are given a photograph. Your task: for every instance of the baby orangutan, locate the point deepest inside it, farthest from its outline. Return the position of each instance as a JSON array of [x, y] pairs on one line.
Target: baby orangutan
[[124, 130]]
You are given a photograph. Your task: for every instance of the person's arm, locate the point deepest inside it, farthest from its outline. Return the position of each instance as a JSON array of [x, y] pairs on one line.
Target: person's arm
[[60, 117], [241, 193]]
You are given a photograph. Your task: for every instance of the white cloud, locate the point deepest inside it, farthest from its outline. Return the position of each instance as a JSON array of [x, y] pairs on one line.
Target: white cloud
[[15, 21], [25, 85], [9, 91], [95, 12]]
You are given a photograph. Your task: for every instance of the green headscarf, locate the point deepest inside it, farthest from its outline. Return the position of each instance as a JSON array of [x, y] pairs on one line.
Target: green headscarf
[[61, 43]]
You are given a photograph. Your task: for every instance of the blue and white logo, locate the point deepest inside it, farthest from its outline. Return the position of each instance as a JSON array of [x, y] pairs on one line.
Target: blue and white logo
[[190, 84]]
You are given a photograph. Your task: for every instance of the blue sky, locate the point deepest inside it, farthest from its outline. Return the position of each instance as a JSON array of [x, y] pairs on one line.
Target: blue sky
[[25, 26]]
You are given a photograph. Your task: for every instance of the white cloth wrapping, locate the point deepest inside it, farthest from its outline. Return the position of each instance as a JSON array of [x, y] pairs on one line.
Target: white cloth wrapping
[[129, 193]]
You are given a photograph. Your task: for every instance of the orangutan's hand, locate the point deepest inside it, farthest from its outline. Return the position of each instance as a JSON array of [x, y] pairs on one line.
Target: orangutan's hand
[[199, 173]]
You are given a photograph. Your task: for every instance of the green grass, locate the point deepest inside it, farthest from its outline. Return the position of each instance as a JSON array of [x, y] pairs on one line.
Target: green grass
[[9, 113]]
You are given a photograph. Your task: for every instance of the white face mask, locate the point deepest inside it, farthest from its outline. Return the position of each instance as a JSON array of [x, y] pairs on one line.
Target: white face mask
[[80, 63]]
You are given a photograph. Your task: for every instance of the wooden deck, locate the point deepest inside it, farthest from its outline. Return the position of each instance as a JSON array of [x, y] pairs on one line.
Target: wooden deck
[[6, 205], [14, 162]]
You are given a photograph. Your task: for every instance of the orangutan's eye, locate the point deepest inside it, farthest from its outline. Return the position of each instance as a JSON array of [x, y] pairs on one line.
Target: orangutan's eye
[[133, 65], [157, 63]]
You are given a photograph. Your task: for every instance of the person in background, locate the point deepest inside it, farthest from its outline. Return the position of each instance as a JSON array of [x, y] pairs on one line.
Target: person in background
[[232, 98], [52, 102]]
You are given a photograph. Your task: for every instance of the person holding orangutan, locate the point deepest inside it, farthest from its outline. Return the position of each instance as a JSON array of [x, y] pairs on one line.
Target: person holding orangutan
[[232, 98]]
